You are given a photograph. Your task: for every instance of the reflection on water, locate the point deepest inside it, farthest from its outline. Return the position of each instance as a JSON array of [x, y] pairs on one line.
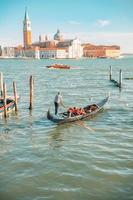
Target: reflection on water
[[5, 140], [56, 137]]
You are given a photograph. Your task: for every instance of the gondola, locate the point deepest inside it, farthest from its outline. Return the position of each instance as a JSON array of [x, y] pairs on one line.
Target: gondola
[[62, 118], [10, 105]]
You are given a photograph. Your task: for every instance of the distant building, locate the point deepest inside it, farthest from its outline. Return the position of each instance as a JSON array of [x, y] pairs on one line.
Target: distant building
[[100, 51], [27, 31], [45, 44], [7, 52], [63, 49], [32, 52], [54, 53], [58, 36], [58, 47], [112, 52], [73, 48]]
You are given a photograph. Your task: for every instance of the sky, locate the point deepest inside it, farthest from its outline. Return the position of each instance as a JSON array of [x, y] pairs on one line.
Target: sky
[[98, 22]]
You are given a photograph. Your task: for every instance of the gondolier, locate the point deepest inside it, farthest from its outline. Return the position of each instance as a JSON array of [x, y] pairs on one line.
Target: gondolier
[[57, 102]]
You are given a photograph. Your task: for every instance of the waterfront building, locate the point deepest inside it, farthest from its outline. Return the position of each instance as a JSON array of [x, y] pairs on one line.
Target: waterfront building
[[64, 49], [45, 44], [59, 48], [112, 51], [73, 48], [32, 52], [52, 53], [8, 52], [27, 31], [100, 51]]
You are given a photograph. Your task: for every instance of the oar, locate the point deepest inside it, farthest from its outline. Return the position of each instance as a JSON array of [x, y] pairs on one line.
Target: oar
[[62, 104], [79, 122]]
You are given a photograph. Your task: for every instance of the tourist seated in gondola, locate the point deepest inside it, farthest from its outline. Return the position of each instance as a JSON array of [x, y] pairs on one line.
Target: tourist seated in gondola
[[70, 112], [75, 112], [91, 108], [81, 111]]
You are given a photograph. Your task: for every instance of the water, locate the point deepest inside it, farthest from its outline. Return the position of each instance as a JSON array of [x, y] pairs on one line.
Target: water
[[39, 160]]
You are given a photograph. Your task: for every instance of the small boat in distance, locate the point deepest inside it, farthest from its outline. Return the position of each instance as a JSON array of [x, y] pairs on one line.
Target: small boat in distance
[[58, 66], [62, 118]]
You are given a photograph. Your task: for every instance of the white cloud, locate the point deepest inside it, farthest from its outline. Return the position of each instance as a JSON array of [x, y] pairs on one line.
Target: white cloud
[[103, 22], [74, 22]]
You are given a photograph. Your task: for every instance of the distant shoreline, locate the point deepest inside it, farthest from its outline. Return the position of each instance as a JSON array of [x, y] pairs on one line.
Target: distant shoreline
[[127, 54], [123, 55]]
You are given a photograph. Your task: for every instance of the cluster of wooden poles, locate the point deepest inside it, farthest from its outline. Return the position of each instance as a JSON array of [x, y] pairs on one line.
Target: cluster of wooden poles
[[4, 96], [116, 83]]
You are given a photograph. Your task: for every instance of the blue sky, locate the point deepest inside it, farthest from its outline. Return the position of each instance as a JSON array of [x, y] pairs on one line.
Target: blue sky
[[95, 21]]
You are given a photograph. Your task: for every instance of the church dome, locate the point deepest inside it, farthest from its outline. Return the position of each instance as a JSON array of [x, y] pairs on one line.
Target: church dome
[[58, 36]]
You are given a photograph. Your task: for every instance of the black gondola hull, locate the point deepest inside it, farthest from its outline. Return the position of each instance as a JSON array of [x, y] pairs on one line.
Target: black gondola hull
[[61, 119]]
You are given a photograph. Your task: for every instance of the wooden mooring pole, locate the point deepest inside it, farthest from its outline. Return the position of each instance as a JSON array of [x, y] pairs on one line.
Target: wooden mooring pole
[[15, 96], [5, 98], [1, 84], [110, 73], [116, 83], [120, 79], [31, 92]]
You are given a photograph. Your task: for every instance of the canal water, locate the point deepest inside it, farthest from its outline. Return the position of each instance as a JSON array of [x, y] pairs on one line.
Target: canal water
[[40, 160]]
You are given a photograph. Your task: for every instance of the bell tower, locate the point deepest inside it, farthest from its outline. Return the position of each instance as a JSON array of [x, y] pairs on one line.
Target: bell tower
[[27, 30]]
